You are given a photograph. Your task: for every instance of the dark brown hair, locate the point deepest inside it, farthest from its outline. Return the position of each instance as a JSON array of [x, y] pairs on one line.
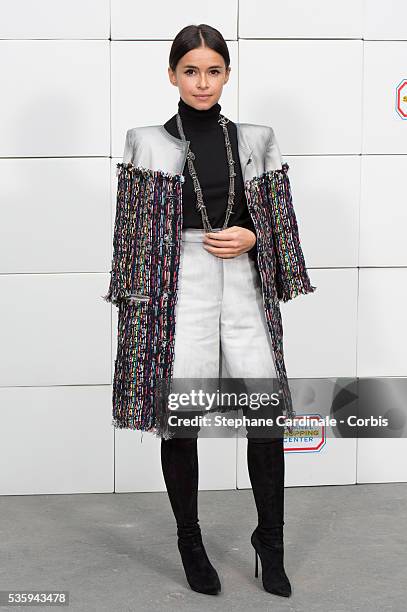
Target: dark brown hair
[[195, 36]]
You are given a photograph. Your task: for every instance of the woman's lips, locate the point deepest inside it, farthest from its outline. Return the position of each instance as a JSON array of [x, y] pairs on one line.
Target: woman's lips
[[203, 97]]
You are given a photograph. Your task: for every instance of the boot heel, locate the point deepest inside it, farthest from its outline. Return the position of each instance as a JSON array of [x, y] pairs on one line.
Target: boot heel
[[256, 568], [274, 578]]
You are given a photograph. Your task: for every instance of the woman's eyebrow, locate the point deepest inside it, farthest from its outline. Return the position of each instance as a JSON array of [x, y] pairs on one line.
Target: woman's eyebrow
[[210, 67]]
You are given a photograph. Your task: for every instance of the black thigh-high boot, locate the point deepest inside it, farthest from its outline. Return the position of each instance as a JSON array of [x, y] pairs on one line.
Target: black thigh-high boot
[[266, 465], [179, 460]]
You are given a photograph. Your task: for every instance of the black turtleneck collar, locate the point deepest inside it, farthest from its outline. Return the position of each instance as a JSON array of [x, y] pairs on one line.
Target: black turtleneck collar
[[205, 117]]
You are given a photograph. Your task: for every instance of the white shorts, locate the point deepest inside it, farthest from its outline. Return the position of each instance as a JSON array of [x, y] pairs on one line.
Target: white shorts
[[221, 329]]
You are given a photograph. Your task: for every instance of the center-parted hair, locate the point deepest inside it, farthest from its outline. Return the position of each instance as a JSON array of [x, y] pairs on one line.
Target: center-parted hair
[[195, 36]]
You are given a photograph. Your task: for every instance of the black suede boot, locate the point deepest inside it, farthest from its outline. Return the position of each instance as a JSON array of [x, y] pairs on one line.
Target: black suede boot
[[266, 465], [179, 460]]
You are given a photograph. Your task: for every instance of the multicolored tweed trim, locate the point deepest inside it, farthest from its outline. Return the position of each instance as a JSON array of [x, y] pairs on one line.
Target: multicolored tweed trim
[[291, 274], [280, 260], [143, 284]]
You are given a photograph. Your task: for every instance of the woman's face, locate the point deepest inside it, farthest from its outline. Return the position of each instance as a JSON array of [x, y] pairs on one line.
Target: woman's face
[[200, 76]]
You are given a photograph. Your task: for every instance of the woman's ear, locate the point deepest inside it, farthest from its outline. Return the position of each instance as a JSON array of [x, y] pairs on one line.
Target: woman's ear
[[171, 76]]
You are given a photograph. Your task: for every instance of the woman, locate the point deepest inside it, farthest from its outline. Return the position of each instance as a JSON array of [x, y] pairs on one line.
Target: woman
[[200, 262]]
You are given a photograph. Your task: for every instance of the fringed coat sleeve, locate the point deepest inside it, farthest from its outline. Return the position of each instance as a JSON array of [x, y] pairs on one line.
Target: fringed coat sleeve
[[291, 273], [119, 284]]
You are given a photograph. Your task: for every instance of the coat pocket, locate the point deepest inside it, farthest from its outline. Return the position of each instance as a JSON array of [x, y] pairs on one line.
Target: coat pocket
[[134, 298]]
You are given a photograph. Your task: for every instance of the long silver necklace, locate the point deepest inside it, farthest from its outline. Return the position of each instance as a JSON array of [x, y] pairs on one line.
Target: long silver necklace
[[200, 205]]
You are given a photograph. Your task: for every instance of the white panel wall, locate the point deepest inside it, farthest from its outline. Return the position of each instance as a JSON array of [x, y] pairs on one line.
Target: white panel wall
[[382, 337], [383, 249], [55, 98], [320, 328], [310, 91], [75, 77], [299, 19], [381, 460], [46, 228], [383, 211], [56, 439], [384, 69], [162, 20], [327, 207], [385, 20], [53, 329], [76, 19]]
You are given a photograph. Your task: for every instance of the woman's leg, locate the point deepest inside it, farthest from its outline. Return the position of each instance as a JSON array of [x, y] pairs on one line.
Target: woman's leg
[[196, 355], [247, 353], [265, 460], [179, 460], [266, 466]]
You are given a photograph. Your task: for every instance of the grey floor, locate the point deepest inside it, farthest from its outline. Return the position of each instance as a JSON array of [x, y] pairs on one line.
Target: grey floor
[[346, 549]]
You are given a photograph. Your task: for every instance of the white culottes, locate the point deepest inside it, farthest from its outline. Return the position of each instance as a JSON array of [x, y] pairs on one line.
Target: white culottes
[[221, 329]]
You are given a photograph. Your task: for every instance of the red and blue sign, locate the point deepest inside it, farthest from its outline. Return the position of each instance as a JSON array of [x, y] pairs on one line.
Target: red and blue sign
[[401, 99], [308, 439]]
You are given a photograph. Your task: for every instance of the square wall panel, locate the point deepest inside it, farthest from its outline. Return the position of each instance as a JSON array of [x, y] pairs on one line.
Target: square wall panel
[[51, 209], [382, 329], [309, 91], [163, 20], [382, 460], [384, 115], [385, 20], [154, 100], [55, 330], [59, 440], [299, 19], [320, 327], [326, 192], [50, 19], [55, 98], [383, 211]]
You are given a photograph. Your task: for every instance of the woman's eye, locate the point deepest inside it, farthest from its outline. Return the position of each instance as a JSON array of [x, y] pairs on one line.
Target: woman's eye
[[212, 71]]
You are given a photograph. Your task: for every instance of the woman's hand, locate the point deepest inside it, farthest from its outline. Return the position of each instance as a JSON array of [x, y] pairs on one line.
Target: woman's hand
[[229, 242]]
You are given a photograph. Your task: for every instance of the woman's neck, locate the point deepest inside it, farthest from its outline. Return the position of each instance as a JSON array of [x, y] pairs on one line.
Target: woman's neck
[[199, 118]]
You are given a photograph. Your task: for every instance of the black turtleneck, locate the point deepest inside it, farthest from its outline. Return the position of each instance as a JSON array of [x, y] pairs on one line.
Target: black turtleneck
[[207, 142]]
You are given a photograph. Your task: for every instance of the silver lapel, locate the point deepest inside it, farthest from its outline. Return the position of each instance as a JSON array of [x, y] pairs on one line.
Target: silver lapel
[[247, 162]]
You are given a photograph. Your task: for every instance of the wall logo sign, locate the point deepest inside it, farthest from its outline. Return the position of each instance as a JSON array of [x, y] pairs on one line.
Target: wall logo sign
[[306, 439], [401, 99]]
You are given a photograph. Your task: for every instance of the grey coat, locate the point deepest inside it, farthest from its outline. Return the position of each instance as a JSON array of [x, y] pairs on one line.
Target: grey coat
[[146, 254]]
